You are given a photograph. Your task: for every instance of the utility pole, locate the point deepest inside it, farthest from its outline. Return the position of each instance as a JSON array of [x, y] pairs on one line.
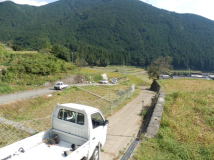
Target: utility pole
[[123, 67], [189, 71], [72, 57]]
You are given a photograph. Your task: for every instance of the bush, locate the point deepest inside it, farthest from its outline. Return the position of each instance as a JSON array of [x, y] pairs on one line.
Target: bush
[[97, 77]]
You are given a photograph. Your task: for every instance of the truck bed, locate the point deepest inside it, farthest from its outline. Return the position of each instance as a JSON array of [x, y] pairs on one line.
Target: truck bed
[[42, 151], [36, 149]]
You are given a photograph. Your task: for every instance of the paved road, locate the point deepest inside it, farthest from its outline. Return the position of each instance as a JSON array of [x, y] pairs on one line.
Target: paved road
[[33, 93], [24, 95], [124, 125]]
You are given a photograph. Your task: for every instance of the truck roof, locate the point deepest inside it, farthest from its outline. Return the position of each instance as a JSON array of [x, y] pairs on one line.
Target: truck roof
[[79, 107]]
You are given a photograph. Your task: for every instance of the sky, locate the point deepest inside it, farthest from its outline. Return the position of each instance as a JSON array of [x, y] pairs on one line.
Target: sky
[[199, 7]]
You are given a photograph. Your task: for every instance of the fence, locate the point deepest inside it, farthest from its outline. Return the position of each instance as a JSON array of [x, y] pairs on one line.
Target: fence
[[11, 132], [111, 100]]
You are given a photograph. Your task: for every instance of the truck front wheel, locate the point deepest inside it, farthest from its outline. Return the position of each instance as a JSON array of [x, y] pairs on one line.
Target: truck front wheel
[[95, 155]]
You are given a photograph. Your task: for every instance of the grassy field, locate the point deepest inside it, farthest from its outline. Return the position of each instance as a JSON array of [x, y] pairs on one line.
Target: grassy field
[[187, 124], [122, 69], [42, 106], [132, 74]]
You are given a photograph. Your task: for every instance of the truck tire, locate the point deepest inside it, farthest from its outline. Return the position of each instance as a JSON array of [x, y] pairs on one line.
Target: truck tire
[[95, 155]]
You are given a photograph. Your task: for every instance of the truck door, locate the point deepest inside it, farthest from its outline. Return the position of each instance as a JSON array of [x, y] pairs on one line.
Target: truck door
[[98, 129]]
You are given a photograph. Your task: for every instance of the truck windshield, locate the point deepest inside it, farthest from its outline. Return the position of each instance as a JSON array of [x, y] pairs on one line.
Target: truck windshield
[[71, 116]]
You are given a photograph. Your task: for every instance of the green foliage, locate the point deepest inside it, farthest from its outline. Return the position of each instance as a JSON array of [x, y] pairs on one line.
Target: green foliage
[[141, 62], [30, 69], [80, 63], [16, 48], [5, 88], [61, 52], [38, 64], [76, 88], [160, 65], [104, 32], [97, 77]]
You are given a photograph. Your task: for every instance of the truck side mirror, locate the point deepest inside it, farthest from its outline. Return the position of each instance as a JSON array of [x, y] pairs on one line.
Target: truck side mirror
[[106, 122]]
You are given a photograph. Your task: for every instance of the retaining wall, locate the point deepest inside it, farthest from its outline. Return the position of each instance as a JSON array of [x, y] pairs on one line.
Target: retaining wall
[[154, 123], [73, 79]]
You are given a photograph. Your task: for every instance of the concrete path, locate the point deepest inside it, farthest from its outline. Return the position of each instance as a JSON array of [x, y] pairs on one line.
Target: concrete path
[[124, 126]]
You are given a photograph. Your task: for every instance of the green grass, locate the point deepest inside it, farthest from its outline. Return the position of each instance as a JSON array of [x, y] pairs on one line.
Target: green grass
[[145, 78], [187, 124]]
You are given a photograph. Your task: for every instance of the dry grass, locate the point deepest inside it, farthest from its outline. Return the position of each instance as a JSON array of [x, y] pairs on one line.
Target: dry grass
[[145, 78], [187, 124], [105, 90], [43, 106], [23, 52], [99, 71], [121, 69], [186, 85]]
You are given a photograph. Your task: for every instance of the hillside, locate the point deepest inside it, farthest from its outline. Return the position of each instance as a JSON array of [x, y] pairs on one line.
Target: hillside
[[25, 70], [111, 31]]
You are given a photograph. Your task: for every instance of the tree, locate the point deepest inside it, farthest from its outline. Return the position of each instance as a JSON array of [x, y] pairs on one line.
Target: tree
[[141, 62], [61, 52], [160, 65], [80, 62], [46, 48], [16, 47], [104, 61]]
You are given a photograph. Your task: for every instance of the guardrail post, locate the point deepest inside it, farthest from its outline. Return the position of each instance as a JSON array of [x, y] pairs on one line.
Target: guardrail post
[[99, 151]]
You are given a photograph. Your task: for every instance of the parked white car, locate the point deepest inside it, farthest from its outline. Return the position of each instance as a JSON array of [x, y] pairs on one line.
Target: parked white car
[[104, 81], [77, 133], [60, 85], [114, 80]]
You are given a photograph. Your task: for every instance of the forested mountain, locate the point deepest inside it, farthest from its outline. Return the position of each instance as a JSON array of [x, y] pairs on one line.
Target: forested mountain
[[110, 31]]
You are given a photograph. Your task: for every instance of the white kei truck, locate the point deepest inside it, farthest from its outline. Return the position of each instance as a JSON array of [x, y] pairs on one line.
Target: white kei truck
[[74, 124], [60, 86]]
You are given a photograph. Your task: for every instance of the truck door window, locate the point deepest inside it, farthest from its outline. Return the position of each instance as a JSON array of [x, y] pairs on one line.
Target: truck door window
[[80, 118], [97, 120]]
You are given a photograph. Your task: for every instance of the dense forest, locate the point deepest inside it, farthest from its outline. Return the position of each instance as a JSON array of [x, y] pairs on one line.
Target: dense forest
[[109, 32]]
